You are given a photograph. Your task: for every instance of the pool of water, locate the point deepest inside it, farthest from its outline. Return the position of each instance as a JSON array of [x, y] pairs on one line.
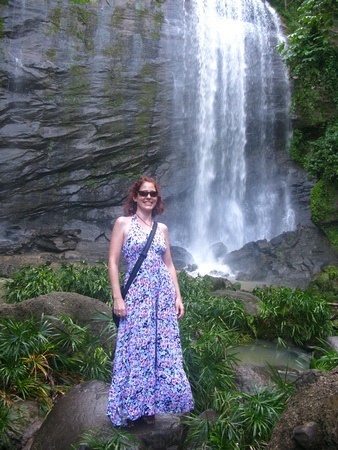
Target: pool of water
[[264, 353]]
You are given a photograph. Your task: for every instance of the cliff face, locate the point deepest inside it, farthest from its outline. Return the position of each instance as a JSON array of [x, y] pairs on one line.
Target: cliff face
[[86, 108], [83, 112]]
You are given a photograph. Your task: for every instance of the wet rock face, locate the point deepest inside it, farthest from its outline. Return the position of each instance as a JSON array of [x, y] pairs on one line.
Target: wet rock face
[[82, 114]]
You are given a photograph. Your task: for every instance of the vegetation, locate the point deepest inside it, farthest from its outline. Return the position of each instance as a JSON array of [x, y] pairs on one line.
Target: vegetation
[[311, 54], [293, 315], [43, 357], [83, 279]]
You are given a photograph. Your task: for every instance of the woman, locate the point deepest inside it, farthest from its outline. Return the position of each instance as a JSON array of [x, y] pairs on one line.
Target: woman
[[148, 376]]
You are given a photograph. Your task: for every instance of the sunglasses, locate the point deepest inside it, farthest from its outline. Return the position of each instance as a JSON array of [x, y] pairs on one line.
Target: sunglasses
[[146, 193]]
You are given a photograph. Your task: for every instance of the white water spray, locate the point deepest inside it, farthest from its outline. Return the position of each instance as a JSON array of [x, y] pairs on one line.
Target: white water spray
[[234, 93]]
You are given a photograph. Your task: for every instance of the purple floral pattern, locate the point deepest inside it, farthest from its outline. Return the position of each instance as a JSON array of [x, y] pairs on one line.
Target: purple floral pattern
[[148, 375]]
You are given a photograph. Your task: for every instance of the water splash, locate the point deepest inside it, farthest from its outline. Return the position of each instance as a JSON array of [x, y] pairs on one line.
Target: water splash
[[234, 88]]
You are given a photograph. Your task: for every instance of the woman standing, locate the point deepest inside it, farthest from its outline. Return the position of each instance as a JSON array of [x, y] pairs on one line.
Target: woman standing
[[148, 375]]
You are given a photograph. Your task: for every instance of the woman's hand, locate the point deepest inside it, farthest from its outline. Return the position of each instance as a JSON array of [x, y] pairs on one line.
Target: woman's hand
[[179, 308], [120, 308]]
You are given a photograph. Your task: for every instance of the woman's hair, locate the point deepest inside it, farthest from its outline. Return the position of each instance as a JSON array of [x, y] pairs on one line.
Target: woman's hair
[[130, 206]]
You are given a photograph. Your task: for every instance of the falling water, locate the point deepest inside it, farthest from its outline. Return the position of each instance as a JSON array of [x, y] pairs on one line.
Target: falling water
[[232, 114]]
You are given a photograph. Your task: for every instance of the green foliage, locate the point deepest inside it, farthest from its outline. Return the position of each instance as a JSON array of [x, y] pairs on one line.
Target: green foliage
[[311, 55], [40, 358], [211, 327], [241, 420], [293, 314], [321, 160], [326, 281], [325, 358], [7, 421], [322, 202], [108, 440], [83, 279], [31, 282], [36, 355]]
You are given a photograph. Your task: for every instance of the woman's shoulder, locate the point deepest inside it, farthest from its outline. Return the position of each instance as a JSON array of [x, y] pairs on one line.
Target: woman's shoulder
[[123, 222], [163, 227], [124, 219]]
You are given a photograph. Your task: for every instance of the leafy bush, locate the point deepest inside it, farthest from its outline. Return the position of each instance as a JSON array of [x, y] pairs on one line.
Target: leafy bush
[[31, 282], [83, 279], [240, 420], [92, 281], [322, 155], [36, 355], [311, 55], [326, 283], [296, 315], [40, 358]]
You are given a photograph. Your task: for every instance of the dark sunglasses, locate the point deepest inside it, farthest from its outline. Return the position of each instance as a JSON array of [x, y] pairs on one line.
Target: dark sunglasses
[[146, 193]]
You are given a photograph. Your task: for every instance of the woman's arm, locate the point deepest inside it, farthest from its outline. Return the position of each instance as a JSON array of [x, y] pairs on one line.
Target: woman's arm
[[116, 243], [167, 259]]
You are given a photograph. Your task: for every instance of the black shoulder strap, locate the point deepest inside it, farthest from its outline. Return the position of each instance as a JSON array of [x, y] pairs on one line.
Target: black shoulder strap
[[140, 260]]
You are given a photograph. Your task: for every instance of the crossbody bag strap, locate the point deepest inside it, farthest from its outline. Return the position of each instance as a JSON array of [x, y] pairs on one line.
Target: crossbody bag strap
[[140, 260]]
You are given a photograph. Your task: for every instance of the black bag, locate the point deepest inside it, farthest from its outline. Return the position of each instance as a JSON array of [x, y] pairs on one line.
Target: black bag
[[141, 258]]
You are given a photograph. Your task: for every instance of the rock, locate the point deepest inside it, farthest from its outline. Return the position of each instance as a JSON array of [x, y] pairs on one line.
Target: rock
[[308, 435], [290, 259], [218, 250], [83, 408], [181, 257], [30, 420], [250, 301], [333, 341], [81, 308], [250, 378], [310, 419]]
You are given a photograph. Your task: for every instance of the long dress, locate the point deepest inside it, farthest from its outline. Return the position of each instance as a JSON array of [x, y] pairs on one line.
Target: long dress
[[148, 376]]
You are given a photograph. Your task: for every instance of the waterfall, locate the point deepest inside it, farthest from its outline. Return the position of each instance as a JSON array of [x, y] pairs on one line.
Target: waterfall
[[231, 125]]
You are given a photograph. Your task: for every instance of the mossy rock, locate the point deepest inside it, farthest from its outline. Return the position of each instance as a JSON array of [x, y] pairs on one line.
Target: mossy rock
[[324, 209], [326, 282]]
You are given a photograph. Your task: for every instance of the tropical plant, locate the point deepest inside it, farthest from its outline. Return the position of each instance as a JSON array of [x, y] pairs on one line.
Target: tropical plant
[[292, 314], [326, 283], [36, 355], [7, 429], [325, 357], [31, 282], [83, 279], [240, 420], [311, 55], [108, 440]]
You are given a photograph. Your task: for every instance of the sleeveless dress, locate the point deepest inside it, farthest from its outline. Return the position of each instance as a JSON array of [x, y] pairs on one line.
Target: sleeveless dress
[[148, 375]]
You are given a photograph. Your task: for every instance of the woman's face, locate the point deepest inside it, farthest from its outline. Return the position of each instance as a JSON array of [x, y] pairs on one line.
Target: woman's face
[[146, 202]]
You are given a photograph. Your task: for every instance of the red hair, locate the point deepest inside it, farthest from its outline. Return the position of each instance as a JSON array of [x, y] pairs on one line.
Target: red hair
[[130, 206]]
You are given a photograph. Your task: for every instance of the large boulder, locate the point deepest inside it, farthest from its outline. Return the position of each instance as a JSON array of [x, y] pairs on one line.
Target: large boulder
[[83, 408], [290, 259], [310, 420], [79, 307]]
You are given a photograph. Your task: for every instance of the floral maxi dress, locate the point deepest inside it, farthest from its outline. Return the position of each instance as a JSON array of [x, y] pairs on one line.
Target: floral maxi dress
[[148, 375]]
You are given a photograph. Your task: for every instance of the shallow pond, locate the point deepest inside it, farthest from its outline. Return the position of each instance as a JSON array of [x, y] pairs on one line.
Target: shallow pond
[[264, 353]]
